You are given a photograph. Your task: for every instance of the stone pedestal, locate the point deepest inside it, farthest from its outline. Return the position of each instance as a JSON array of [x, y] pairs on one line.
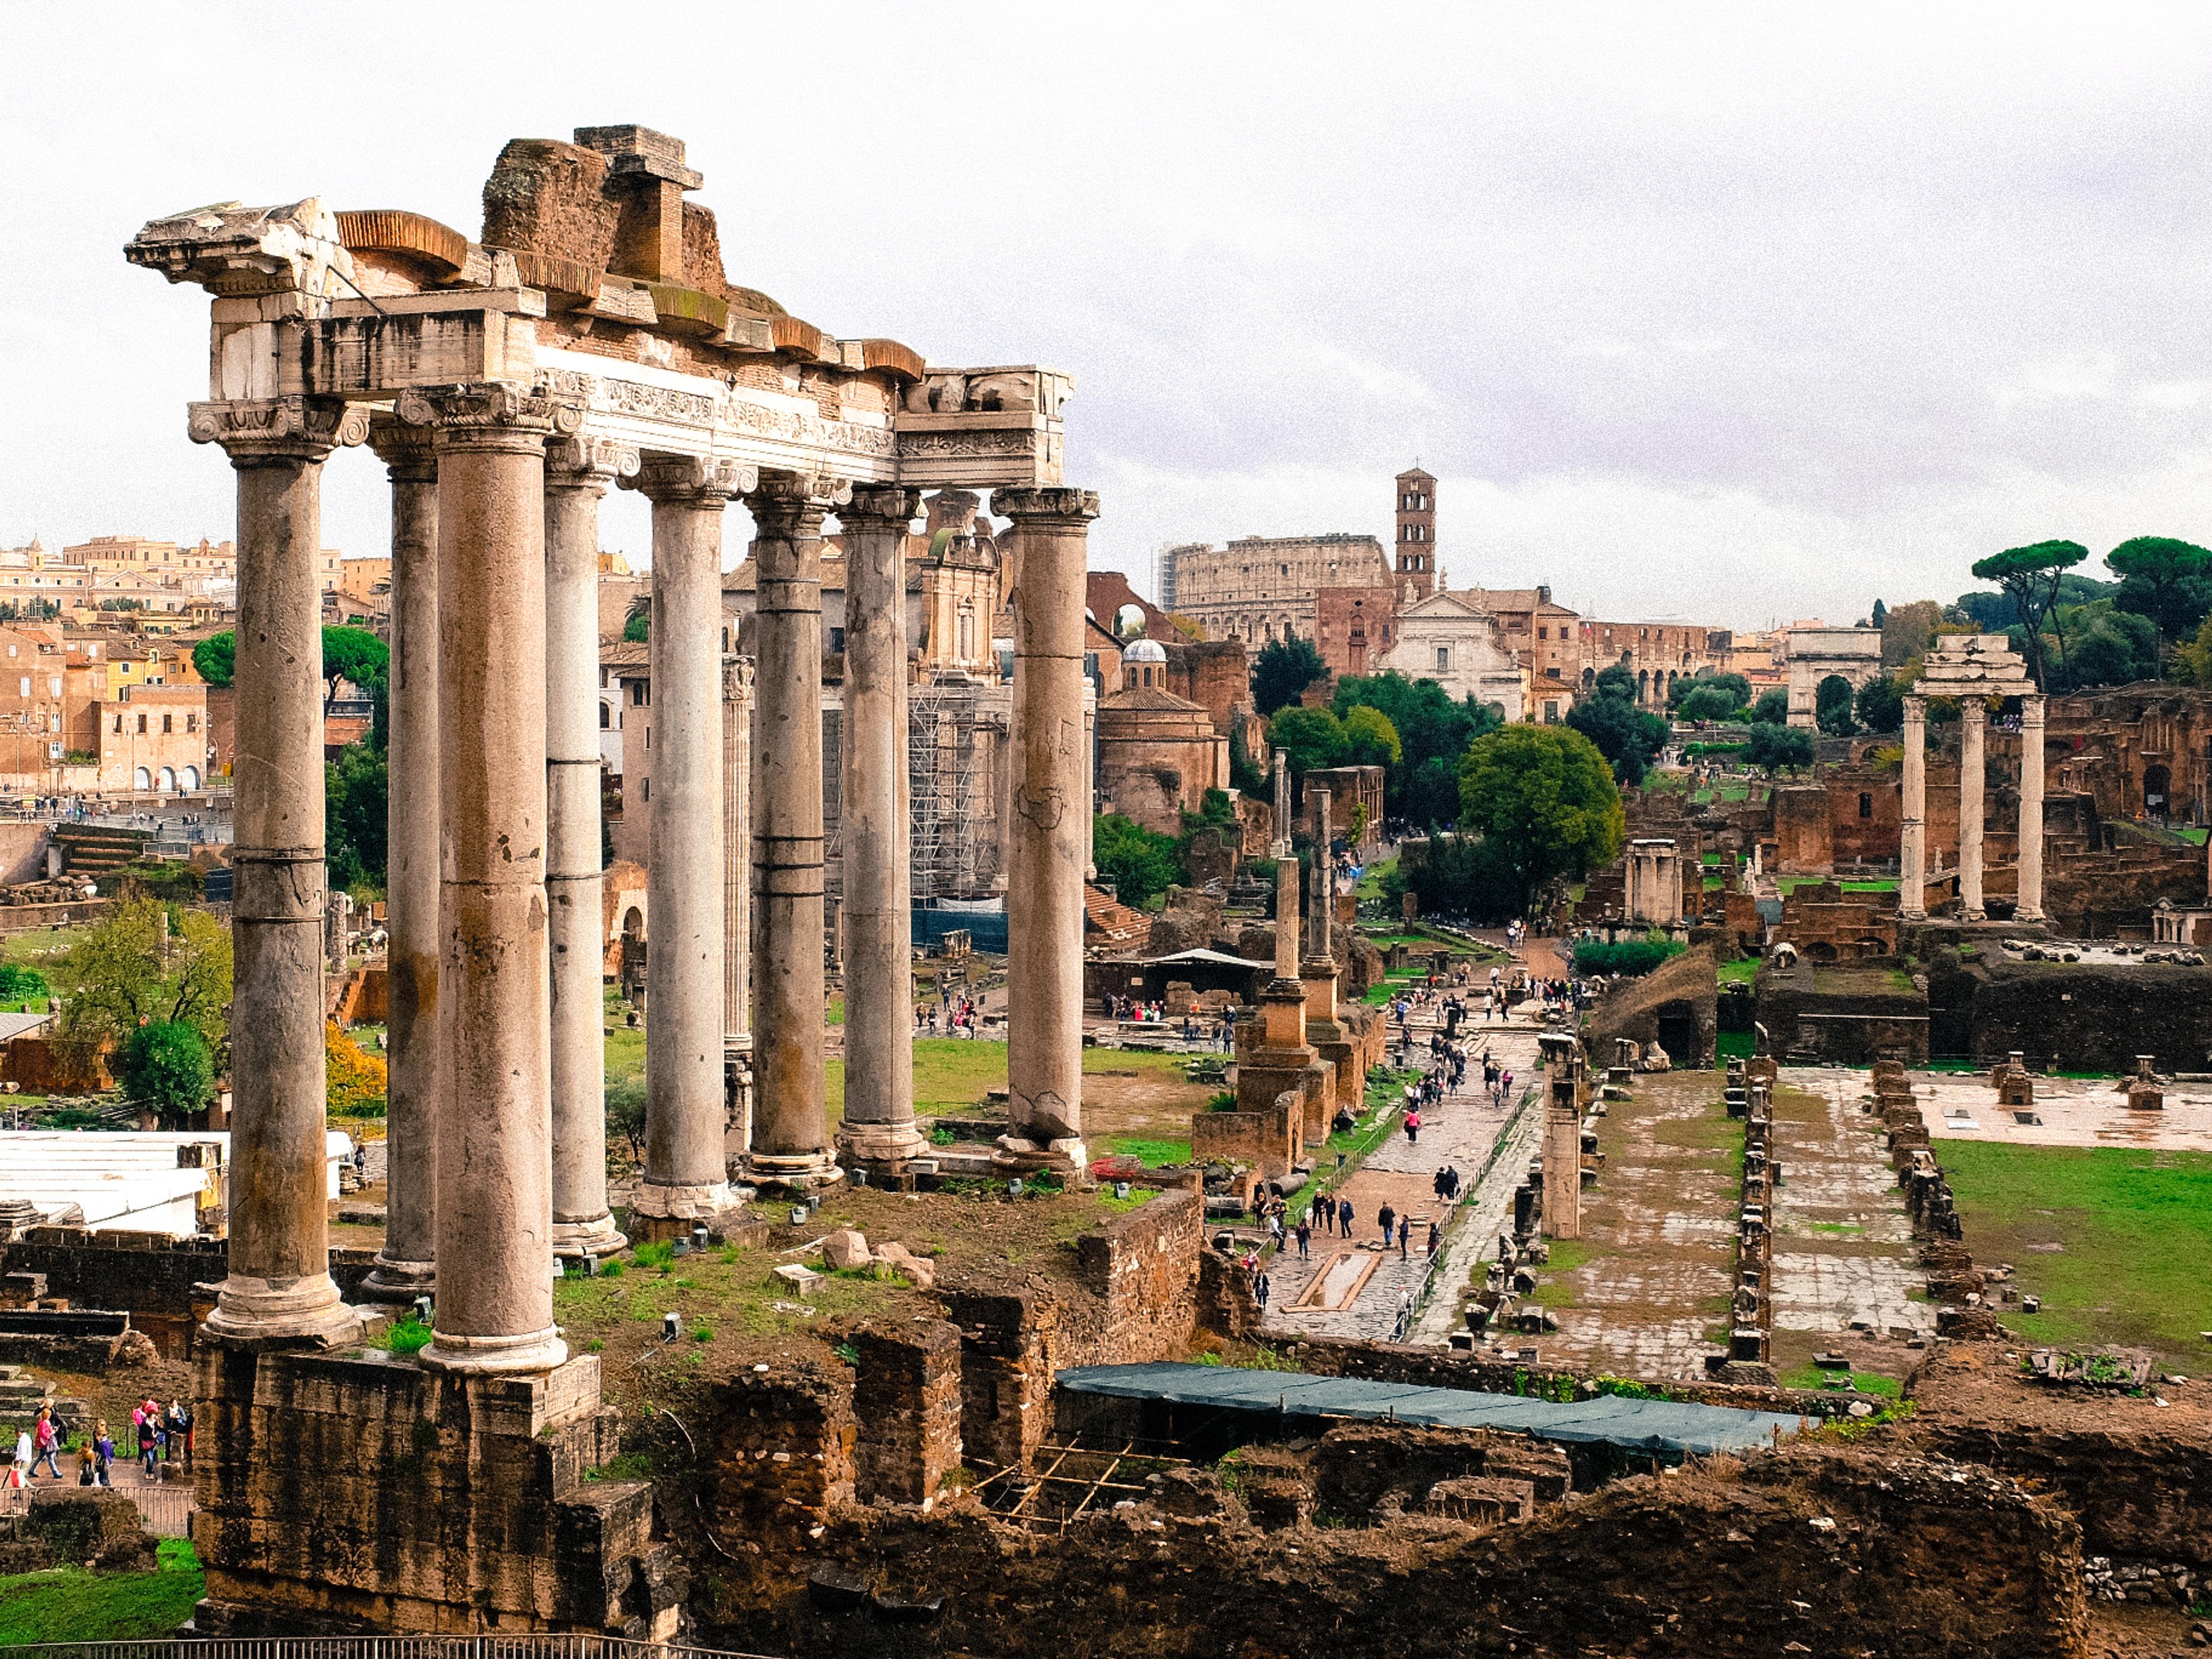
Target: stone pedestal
[[406, 1265], [577, 473], [878, 1128], [279, 1285], [791, 1126], [495, 1306], [686, 1100], [1912, 857], [1050, 813], [372, 1495]]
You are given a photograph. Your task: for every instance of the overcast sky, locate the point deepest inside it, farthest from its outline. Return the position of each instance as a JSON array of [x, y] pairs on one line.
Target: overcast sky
[[1734, 315]]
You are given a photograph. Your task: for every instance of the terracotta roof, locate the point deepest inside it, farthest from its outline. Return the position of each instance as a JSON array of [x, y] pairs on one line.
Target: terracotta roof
[[1152, 696], [626, 653]]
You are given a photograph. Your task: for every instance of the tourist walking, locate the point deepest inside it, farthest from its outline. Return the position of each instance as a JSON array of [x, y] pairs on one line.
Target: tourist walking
[[1344, 1218], [1305, 1236], [1405, 1233], [1259, 1288], [20, 1470], [1436, 1240], [1388, 1218], [46, 1444], [1413, 1127]]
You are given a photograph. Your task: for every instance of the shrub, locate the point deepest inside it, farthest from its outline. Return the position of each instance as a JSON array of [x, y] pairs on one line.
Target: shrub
[[1631, 957]]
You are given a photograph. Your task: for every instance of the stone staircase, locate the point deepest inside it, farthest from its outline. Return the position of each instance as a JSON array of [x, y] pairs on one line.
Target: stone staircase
[[1109, 923], [91, 850]]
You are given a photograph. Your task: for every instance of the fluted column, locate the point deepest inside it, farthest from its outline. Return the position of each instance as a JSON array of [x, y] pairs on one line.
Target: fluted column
[[495, 1159], [278, 1283], [577, 473], [1912, 833], [2030, 906], [685, 1171], [406, 1265], [790, 1124], [737, 907], [1044, 874], [1973, 723], [878, 908]]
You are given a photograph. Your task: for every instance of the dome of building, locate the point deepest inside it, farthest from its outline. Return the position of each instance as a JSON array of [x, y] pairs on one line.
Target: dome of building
[[1144, 650]]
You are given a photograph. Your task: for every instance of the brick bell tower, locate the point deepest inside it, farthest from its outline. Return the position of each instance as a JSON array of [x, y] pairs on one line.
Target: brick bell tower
[[1417, 536]]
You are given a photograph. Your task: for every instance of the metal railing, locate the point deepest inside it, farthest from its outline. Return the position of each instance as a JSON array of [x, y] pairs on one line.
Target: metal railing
[[165, 1512], [518, 1645]]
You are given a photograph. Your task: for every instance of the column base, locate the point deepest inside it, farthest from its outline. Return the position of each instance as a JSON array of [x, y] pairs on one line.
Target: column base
[[396, 1282], [684, 1201], [794, 1172], [485, 1356], [308, 1309], [876, 1144], [1014, 1155], [574, 1240], [1912, 915], [1973, 914]]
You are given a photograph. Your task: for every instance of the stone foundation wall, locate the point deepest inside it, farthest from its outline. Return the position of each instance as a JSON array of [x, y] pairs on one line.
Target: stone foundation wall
[[2094, 1017], [342, 1493], [907, 1404], [782, 1455]]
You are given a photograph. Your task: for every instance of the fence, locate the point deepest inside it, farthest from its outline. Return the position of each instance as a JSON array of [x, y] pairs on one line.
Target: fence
[[514, 1646], [164, 1510]]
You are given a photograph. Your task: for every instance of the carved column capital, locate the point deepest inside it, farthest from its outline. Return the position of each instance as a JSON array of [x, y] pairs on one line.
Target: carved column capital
[[882, 505], [736, 682], [1047, 505], [262, 429], [791, 506], [2031, 711], [701, 479], [588, 464], [487, 415], [408, 453]]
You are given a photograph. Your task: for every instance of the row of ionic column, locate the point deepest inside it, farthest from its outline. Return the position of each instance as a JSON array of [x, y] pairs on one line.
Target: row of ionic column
[[1913, 862], [496, 1127]]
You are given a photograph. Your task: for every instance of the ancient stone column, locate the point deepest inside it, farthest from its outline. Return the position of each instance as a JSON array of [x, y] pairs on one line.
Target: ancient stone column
[[278, 1283], [577, 473], [1319, 969], [495, 1308], [406, 1265], [1913, 835], [791, 1126], [878, 909], [1286, 917], [685, 1172], [1044, 875], [1282, 842], [2030, 908], [736, 908], [1974, 724]]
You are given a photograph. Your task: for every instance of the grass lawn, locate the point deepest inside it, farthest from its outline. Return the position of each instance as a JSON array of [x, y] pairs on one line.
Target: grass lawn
[[39, 947], [2133, 1236], [1370, 878], [1739, 973], [953, 1075], [68, 1604]]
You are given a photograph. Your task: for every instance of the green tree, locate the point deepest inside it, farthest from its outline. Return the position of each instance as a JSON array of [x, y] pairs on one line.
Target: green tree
[[637, 621], [1709, 702], [1460, 876], [129, 968], [217, 657], [1736, 686], [1242, 774], [1880, 704], [2105, 646], [357, 808], [1832, 706], [2029, 576], [1881, 617], [1141, 863], [1773, 747], [1283, 670], [1312, 737], [625, 1109], [165, 1066], [1627, 736], [1433, 731], [1369, 740], [1907, 631], [2167, 581], [1544, 801], [2192, 659], [1616, 680], [1772, 708]]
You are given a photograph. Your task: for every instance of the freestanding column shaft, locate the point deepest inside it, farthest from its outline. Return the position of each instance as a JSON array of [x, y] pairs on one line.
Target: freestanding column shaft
[[791, 1126], [2030, 906], [406, 1265], [878, 910], [494, 1310], [1044, 876], [1282, 842], [737, 907], [1912, 835], [685, 1174], [1319, 969], [1973, 723], [577, 473], [1286, 918], [279, 1283]]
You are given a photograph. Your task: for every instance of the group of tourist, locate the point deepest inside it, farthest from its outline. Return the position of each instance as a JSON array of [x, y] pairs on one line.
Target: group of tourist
[[164, 1434], [958, 1017]]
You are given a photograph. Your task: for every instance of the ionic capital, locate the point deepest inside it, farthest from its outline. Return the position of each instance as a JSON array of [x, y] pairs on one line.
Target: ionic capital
[[487, 415], [271, 429], [1048, 505], [699, 480], [881, 506], [791, 506], [408, 453], [588, 464]]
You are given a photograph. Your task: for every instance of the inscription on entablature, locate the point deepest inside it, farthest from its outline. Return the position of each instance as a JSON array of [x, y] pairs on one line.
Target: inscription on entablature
[[620, 396]]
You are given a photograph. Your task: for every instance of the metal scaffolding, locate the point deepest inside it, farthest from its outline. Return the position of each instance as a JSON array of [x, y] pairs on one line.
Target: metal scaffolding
[[945, 781]]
